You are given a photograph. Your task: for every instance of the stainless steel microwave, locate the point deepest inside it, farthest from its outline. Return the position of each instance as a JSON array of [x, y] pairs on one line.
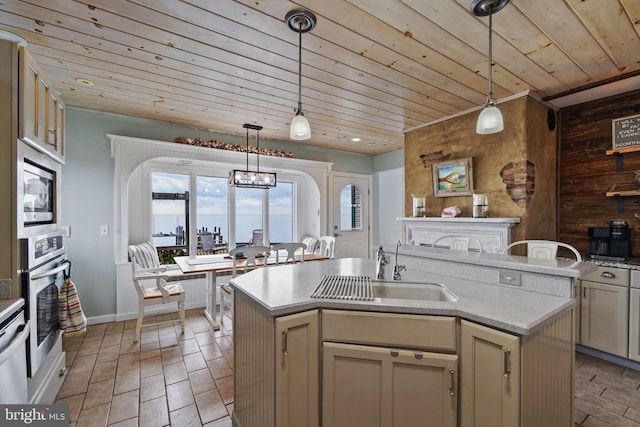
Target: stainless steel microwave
[[38, 190]]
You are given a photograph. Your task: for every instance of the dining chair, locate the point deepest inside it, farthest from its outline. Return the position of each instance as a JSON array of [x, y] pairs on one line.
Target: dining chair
[[543, 249], [291, 249], [250, 253], [145, 268], [459, 243], [327, 246]]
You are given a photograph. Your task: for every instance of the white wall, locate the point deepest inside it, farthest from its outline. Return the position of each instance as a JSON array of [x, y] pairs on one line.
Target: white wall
[[389, 205]]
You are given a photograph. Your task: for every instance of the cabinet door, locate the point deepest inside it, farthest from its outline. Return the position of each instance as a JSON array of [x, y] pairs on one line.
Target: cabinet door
[[576, 311], [33, 99], [490, 377], [366, 386], [604, 317], [54, 136], [297, 370], [634, 325]]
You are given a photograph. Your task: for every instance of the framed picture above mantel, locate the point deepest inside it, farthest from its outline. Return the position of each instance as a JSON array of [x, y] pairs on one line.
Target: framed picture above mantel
[[452, 178]]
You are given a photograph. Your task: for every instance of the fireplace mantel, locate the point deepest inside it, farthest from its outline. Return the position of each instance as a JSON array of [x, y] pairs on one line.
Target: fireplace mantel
[[493, 233]]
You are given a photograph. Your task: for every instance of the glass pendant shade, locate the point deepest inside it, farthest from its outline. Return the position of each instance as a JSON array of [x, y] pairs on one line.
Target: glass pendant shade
[[299, 129], [490, 120]]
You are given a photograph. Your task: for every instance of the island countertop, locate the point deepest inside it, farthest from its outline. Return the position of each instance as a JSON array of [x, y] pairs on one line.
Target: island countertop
[[287, 289]]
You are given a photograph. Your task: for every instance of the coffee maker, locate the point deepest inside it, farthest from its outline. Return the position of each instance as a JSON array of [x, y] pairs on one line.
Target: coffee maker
[[610, 243]]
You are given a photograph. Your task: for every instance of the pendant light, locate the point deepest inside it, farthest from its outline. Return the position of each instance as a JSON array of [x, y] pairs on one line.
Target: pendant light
[[490, 119], [248, 178], [300, 21]]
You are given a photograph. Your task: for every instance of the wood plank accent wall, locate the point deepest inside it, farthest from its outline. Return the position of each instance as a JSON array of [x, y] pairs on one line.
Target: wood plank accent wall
[[586, 172]]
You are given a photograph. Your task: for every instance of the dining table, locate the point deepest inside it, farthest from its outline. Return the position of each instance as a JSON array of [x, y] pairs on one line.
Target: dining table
[[219, 264]]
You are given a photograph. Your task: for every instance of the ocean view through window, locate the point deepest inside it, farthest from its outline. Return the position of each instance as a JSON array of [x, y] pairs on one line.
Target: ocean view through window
[[173, 209]]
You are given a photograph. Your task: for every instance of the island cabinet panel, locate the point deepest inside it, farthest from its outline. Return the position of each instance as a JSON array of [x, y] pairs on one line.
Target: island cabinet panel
[[297, 370], [365, 386], [276, 367], [525, 381], [390, 329], [490, 377]]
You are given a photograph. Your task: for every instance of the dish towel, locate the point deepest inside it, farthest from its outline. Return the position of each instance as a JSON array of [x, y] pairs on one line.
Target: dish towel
[[72, 319]]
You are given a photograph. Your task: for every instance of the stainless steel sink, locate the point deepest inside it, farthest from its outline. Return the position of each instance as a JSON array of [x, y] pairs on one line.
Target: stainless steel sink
[[412, 291]]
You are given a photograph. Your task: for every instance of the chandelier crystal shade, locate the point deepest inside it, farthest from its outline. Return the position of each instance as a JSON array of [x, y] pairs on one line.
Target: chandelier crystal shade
[[490, 119], [300, 21], [248, 178]]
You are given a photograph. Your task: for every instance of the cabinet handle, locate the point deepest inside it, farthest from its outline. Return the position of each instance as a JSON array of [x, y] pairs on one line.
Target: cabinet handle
[[284, 342], [507, 365], [451, 386], [584, 292], [607, 275]]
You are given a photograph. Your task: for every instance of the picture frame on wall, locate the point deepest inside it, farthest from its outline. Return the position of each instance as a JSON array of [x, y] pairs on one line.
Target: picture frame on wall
[[452, 178]]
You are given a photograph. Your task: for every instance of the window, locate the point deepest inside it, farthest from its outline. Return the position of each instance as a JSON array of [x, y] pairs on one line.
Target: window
[[212, 213], [248, 213], [252, 209], [170, 214], [281, 213], [350, 208]]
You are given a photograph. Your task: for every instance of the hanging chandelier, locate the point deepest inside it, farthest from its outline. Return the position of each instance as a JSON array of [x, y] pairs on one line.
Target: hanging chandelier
[[490, 119], [300, 21], [248, 178]]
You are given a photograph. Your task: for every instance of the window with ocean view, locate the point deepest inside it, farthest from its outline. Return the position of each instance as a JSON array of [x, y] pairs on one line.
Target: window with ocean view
[[281, 213], [173, 207]]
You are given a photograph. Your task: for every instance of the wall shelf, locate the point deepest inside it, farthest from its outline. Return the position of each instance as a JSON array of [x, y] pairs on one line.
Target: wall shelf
[[616, 191], [619, 152]]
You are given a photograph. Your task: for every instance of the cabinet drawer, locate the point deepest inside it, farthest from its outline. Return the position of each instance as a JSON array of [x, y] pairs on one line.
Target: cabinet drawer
[[390, 330], [609, 275]]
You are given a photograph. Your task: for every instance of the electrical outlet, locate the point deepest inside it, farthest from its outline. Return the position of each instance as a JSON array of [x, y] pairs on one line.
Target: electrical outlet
[[104, 230]]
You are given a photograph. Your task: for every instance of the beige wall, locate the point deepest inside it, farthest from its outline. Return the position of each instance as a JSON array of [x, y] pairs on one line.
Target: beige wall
[[531, 197]]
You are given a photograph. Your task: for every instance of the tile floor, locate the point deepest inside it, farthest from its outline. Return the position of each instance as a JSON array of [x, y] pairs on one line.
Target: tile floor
[[606, 394], [184, 380], [165, 379]]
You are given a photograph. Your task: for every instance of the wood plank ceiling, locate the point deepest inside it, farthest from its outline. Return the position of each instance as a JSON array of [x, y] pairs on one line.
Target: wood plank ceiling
[[371, 69]]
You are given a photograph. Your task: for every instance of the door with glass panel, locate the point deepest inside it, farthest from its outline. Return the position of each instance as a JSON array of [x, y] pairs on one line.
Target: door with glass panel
[[350, 211]]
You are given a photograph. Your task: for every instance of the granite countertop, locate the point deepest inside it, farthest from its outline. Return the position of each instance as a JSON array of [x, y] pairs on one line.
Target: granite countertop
[[286, 289], [630, 263]]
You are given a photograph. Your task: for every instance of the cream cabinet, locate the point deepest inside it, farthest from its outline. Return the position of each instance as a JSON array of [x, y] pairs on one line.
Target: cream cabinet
[[297, 373], [634, 316], [366, 386], [41, 113], [489, 377], [604, 310]]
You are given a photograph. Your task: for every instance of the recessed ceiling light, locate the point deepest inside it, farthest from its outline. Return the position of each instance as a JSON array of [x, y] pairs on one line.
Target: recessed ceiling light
[[355, 140], [84, 82]]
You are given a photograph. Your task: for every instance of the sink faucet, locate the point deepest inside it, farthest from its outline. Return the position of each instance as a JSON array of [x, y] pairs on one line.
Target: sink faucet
[[397, 268], [381, 262]]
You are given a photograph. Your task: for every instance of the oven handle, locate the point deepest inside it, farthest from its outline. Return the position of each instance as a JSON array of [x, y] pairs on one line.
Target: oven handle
[[55, 270]]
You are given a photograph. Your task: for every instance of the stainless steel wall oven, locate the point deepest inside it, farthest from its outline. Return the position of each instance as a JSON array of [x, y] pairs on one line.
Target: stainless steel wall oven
[[45, 262]]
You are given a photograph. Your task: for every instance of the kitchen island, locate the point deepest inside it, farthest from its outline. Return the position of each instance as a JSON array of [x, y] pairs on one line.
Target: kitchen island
[[500, 353]]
